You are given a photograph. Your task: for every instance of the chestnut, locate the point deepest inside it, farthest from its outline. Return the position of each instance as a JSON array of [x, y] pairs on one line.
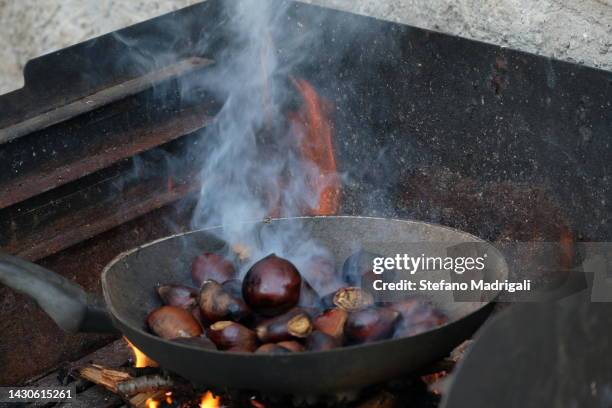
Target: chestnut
[[352, 299], [375, 323], [331, 322], [319, 341], [231, 335], [271, 348], [211, 266], [417, 316], [407, 307], [292, 345], [177, 295], [308, 296], [233, 287], [272, 286], [199, 341], [171, 322], [320, 272], [356, 266], [197, 314], [217, 304], [295, 323]]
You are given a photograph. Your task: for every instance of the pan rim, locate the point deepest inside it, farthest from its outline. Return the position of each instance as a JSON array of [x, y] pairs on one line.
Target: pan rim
[[291, 356]]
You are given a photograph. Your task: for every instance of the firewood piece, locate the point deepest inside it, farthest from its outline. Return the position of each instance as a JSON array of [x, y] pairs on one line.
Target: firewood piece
[[383, 399], [111, 380], [144, 384], [106, 377], [142, 400]]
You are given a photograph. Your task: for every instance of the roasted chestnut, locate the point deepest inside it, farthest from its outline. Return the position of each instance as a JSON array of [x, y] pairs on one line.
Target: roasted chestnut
[[177, 295], [199, 341], [171, 322], [371, 324], [233, 287], [272, 286], [211, 266], [231, 335], [331, 322], [292, 324], [309, 297], [320, 272], [352, 299], [319, 341], [356, 266], [272, 348], [417, 316], [217, 304], [292, 345], [197, 314]]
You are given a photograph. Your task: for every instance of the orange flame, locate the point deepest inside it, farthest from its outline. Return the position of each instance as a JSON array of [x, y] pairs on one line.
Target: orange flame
[[141, 359], [152, 403], [209, 400], [316, 147]]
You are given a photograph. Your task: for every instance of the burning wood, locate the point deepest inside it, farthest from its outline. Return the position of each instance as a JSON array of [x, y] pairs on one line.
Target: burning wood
[[107, 378], [384, 399], [139, 392], [209, 400], [150, 388], [148, 391], [144, 384]]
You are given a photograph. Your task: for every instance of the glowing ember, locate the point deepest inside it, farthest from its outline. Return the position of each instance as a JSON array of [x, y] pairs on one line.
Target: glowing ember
[[257, 404], [315, 132], [210, 401], [151, 403], [432, 381], [140, 359]]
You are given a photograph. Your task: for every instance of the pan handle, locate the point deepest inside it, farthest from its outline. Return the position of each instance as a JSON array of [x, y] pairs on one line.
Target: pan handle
[[64, 301]]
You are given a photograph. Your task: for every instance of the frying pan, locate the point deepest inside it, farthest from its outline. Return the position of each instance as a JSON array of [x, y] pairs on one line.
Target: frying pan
[[128, 283]]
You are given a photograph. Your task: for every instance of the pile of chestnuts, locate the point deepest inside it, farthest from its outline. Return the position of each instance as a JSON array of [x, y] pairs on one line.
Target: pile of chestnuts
[[275, 310]]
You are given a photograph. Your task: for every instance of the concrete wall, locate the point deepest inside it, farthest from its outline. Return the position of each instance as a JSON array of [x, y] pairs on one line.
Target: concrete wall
[[573, 30]]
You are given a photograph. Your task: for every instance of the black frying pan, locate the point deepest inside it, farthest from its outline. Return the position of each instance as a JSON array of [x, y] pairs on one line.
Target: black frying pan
[[128, 283]]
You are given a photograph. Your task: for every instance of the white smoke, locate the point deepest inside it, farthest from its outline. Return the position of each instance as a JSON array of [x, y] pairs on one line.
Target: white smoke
[[252, 160]]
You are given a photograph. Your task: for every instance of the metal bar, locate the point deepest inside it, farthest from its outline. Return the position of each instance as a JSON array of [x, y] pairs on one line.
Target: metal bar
[[48, 174], [63, 217], [100, 98]]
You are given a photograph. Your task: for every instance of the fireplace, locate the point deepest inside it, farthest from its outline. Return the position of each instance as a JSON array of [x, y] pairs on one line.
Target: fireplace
[[102, 150]]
